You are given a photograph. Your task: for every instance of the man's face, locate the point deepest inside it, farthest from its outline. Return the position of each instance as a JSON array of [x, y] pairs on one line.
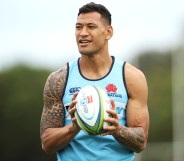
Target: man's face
[[91, 33]]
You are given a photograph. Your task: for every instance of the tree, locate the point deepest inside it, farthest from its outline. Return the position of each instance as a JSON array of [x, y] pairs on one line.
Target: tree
[[157, 69], [21, 106]]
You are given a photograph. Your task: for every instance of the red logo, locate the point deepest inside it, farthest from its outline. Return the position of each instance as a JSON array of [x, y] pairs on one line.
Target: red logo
[[90, 99], [111, 88]]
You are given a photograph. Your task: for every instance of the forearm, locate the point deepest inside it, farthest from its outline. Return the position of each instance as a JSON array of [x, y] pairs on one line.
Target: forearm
[[54, 139], [133, 138]]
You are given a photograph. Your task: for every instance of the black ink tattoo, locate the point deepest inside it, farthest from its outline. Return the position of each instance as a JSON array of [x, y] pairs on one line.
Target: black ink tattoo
[[53, 110], [133, 138]]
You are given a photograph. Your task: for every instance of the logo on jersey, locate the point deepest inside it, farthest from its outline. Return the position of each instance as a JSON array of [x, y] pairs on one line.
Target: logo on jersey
[[111, 88], [111, 91], [120, 109], [74, 89]]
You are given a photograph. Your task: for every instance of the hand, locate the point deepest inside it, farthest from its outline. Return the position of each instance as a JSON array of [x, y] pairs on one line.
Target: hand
[[72, 112], [114, 127]]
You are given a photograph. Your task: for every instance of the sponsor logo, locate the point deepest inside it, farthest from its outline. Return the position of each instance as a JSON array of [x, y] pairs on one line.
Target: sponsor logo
[[111, 91], [84, 101], [111, 88], [74, 89], [120, 109], [114, 95]]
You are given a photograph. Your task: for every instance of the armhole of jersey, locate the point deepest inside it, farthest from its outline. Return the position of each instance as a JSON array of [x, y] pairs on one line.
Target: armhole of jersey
[[67, 74], [123, 71]]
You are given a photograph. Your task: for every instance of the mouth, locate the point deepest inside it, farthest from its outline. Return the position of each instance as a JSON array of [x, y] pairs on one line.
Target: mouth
[[84, 42]]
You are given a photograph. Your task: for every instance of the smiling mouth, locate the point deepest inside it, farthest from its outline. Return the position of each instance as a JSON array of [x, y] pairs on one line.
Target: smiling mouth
[[84, 42]]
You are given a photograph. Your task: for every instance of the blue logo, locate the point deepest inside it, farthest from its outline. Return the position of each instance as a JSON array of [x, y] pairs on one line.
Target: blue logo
[[74, 89], [118, 109], [84, 101], [114, 95]]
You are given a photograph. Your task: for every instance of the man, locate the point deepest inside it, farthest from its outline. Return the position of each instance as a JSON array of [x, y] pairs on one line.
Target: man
[[124, 84]]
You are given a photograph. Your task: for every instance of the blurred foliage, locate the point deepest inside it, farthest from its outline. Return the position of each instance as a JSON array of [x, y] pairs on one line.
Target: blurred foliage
[[21, 105], [157, 69]]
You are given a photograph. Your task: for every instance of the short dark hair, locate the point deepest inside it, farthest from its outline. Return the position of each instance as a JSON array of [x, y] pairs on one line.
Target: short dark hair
[[93, 7]]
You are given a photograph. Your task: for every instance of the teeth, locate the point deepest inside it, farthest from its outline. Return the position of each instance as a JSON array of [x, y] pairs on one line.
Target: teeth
[[84, 41]]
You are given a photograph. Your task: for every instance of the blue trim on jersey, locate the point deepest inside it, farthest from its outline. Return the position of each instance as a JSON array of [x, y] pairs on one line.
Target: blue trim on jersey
[[124, 78], [99, 78], [67, 74]]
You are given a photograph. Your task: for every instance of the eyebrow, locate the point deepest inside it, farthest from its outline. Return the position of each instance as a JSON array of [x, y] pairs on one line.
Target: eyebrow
[[78, 24], [86, 24]]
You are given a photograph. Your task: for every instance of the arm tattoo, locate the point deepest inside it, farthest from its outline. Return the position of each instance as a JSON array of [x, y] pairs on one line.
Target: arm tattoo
[[53, 110], [133, 138]]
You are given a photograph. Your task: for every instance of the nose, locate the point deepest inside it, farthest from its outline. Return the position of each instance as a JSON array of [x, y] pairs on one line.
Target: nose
[[84, 32]]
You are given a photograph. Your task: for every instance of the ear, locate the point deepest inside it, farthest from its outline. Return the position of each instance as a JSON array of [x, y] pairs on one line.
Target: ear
[[109, 32]]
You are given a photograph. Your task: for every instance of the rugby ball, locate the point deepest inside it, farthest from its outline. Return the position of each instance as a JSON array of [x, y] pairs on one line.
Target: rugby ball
[[92, 102]]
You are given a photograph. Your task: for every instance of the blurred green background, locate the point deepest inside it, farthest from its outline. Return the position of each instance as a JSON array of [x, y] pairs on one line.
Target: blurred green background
[[21, 106]]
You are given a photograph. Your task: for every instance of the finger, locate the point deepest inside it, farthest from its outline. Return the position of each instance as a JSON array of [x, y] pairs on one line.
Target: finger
[[113, 121], [72, 110], [74, 96], [112, 103], [104, 134], [110, 128], [72, 104], [74, 120], [113, 113], [110, 120]]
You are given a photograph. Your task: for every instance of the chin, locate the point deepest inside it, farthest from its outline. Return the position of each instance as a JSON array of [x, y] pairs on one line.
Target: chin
[[88, 52], [82, 52]]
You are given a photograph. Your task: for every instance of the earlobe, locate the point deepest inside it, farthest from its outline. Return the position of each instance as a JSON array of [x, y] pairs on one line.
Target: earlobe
[[108, 37]]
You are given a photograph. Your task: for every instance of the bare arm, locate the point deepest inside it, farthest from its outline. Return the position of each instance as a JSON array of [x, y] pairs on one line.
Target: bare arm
[[54, 135], [135, 135]]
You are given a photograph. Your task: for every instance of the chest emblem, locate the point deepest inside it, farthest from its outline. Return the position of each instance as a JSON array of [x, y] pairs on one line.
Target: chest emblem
[[111, 90]]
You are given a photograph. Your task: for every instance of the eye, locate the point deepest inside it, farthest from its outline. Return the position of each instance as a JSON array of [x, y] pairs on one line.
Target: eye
[[78, 27], [91, 27]]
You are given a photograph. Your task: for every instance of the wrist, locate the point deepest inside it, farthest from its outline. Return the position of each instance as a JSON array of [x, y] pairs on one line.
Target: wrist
[[118, 134], [74, 129]]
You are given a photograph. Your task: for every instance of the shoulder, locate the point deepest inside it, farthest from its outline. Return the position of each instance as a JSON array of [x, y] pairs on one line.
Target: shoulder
[[133, 72], [55, 83], [59, 76], [135, 80]]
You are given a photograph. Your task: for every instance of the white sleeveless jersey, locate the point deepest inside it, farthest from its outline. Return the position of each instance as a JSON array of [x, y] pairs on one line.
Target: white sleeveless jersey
[[85, 147]]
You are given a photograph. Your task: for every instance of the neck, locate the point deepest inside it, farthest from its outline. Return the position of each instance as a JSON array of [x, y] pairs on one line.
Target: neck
[[95, 67]]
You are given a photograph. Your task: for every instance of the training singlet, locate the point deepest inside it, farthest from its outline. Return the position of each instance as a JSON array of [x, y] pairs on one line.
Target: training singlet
[[85, 147]]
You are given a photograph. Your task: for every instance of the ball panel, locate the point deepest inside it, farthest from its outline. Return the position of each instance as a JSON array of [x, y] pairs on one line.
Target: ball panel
[[84, 126], [101, 110], [86, 103]]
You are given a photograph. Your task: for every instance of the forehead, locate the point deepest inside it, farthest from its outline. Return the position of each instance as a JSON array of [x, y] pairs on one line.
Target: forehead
[[91, 17]]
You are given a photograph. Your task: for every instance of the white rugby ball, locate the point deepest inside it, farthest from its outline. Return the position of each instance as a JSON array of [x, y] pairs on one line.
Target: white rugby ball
[[91, 106]]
